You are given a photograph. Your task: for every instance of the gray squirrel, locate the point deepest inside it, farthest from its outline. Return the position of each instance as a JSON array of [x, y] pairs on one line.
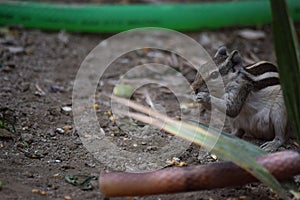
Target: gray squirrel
[[253, 98]]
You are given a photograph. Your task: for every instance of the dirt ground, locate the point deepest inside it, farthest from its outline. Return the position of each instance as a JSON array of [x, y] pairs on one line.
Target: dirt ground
[[37, 73]]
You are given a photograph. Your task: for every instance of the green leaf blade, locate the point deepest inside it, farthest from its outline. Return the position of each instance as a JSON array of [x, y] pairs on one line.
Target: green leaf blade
[[288, 59]]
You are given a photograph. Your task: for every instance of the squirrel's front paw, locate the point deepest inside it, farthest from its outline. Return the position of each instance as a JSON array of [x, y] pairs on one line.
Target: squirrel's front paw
[[202, 97]]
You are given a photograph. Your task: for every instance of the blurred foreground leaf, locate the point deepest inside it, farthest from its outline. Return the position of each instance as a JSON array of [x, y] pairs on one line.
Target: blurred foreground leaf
[[287, 53], [240, 152]]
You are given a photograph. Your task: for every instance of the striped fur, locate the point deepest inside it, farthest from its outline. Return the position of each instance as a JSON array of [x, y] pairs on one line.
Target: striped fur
[[262, 74], [260, 68]]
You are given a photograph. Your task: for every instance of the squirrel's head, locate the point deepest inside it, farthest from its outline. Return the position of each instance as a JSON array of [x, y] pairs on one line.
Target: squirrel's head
[[228, 65]]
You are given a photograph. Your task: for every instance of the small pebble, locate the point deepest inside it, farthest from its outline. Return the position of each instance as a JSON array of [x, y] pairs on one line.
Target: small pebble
[[112, 119], [87, 136], [25, 128], [108, 113], [15, 50], [96, 106], [68, 197], [43, 193], [57, 176], [59, 130], [67, 127], [67, 108], [151, 148], [39, 93], [55, 88], [35, 191], [214, 156], [182, 163], [92, 165]]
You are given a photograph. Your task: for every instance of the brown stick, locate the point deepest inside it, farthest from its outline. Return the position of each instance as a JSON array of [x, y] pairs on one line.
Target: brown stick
[[282, 165]]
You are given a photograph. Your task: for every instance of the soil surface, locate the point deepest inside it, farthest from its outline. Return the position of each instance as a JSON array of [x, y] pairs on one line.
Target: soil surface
[[39, 144]]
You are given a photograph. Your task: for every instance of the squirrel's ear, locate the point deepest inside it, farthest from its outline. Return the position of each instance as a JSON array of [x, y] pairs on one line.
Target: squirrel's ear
[[235, 59], [222, 51]]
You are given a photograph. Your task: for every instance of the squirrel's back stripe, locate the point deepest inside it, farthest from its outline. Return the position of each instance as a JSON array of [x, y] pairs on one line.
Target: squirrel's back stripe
[[266, 83], [262, 74], [260, 68]]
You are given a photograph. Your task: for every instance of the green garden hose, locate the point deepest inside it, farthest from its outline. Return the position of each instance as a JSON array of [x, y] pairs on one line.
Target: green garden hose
[[116, 18]]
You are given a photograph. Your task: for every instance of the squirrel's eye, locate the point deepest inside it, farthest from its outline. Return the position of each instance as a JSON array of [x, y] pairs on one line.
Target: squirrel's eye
[[214, 75]]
